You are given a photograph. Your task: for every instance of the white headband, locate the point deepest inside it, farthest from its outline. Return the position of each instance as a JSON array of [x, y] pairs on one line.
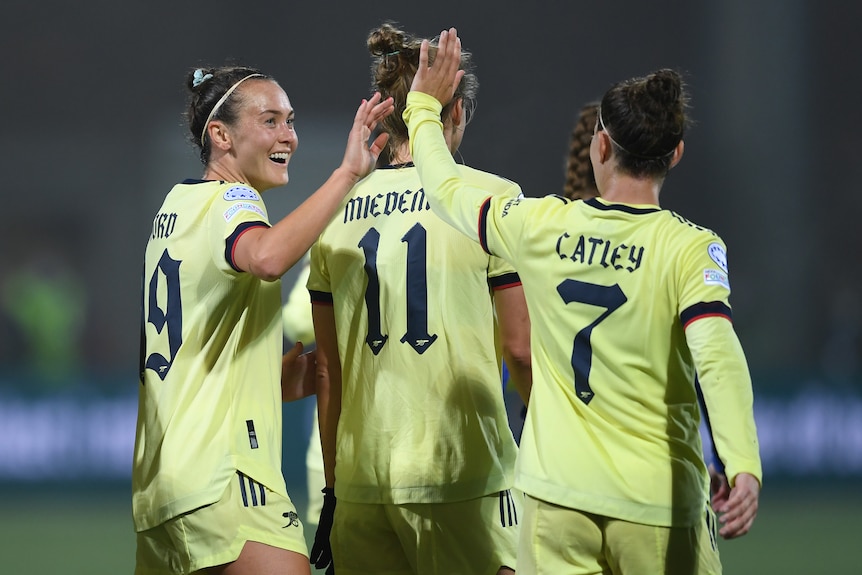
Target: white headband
[[221, 101]]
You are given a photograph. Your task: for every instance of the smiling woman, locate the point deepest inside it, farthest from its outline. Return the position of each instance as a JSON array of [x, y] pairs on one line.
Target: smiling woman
[[208, 490], [262, 118]]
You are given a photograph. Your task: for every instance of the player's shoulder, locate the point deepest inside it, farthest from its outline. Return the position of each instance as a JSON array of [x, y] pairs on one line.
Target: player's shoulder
[[681, 225], [493, 183], [550, 206], [233, 192], [230, 191], [551, 202], [217, 192], [695, 240], [557, 199]]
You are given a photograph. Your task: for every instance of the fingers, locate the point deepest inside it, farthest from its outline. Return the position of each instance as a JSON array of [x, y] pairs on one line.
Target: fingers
[[293, 353], [378, 144], [719, 498], [719, 489], [739, 511], [442, 78], [737, 528], [372, 110], [309, 380], [423, 57], [298, 377], [450, 47], [380, 111]]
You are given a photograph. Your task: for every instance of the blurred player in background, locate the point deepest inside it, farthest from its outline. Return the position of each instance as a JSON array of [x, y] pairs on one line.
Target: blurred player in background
[[628, 302], [580, 183], [416, 440], [208, 489]]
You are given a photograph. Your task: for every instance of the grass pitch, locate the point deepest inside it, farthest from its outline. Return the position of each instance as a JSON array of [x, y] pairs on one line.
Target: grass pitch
[[799, 530]]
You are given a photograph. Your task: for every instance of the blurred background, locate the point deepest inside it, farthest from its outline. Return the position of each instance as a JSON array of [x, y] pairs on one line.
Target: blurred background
[[94, 137]]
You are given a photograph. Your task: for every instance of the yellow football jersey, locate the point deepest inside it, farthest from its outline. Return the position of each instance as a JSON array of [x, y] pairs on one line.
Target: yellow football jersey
[[613, 422], [423, 418], [210, 392]]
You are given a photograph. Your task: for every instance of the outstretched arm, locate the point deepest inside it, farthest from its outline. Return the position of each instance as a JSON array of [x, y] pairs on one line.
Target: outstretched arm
[[513, 320], [450, 197]]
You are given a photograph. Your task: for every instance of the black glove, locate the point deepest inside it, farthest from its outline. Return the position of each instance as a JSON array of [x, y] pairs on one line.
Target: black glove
[[321, 551]]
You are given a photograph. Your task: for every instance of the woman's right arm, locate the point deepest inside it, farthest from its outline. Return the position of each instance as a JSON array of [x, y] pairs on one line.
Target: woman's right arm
[[328, 385], [269, 252]]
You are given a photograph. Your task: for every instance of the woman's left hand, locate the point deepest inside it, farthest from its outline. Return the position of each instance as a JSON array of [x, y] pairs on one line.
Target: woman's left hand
[[298, 375]]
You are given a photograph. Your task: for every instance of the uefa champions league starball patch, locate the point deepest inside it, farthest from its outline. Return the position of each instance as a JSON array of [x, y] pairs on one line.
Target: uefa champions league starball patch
[[241, 193], [718, 255]]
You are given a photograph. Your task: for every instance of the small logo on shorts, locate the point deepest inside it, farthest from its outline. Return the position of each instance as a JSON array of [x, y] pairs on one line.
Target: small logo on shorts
[[292, 519]]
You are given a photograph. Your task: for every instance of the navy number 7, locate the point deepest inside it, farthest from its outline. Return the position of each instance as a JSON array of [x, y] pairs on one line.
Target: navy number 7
[[608, 297]]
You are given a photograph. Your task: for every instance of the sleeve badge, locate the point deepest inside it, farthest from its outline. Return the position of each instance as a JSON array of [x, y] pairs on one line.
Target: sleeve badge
[[718, 255], [241, 193]]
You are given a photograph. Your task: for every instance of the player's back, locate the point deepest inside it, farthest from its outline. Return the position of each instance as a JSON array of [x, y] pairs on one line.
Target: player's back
[[422, 413], [607, 286]]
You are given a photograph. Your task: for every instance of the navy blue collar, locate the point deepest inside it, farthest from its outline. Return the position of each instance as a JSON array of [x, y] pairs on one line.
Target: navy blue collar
[[594, 202]]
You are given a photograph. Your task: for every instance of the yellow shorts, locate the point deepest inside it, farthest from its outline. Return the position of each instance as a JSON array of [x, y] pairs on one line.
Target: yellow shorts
[[561, 540], [477, 536], [215, 534]]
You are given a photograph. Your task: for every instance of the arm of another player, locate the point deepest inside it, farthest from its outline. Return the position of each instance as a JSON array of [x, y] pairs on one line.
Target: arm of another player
[[328, 384], [726, 384], [298, 377], [450, 197], [513, 321], [328, 413]]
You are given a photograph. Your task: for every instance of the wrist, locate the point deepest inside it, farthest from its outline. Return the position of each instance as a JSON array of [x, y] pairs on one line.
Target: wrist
[[346, 176], [424, 100]]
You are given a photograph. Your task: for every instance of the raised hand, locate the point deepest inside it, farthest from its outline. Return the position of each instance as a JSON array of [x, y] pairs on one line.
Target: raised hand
[[360, 156], [442, 78]]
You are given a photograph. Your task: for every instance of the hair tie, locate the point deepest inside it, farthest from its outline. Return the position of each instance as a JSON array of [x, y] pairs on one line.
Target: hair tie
[[221, 101], [200, 78]]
